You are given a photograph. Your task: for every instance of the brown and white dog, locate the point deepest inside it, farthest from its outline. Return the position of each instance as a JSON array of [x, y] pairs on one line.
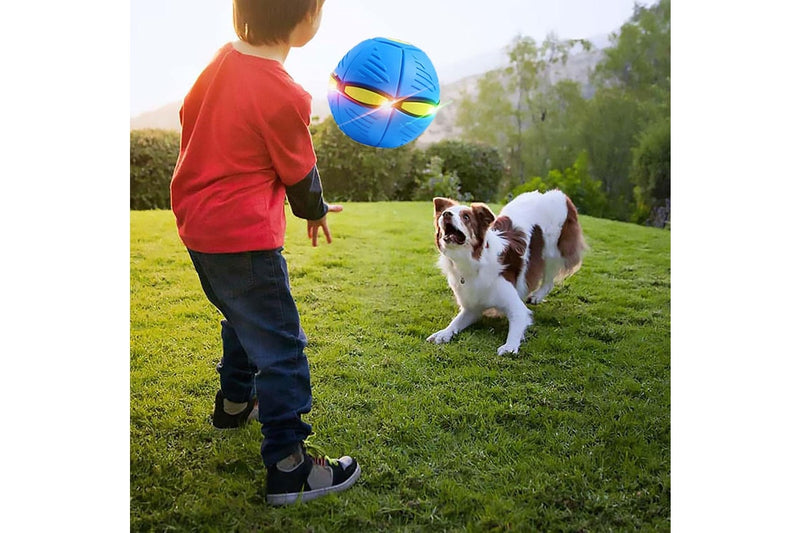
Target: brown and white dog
[[505, 261]]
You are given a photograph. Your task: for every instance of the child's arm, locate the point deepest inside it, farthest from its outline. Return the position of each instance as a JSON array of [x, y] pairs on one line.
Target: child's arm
[[305, 197]]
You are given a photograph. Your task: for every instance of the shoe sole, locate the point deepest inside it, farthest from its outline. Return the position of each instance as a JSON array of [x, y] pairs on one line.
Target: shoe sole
[[292, 497]]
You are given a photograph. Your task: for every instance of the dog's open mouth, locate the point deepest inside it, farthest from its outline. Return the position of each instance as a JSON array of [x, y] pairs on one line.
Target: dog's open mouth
[[452, 235]]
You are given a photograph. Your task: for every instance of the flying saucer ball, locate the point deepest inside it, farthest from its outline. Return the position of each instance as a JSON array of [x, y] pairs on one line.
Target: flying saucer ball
[[384, 93]]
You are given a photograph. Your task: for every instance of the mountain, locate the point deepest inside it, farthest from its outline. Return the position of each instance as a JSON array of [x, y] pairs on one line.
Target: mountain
[[578, 68], [165, 118], [456, 80]]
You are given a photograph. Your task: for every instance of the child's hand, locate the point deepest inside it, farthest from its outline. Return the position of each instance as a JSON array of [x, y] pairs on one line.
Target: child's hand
[[314, 225]]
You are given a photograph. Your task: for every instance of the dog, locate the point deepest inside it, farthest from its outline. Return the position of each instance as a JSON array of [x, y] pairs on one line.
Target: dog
[[500, 263]]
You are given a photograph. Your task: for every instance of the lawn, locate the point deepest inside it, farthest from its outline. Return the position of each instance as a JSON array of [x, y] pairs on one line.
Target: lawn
[[571, 434]]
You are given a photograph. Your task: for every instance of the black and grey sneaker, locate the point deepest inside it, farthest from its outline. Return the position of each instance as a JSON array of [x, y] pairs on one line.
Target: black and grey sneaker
[[303, 477], [222, 420]]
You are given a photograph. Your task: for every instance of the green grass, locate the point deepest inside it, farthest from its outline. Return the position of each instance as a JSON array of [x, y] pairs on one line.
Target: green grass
[[571, 434]]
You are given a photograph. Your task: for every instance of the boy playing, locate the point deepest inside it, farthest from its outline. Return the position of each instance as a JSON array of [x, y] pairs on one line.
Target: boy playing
[[245, 147]]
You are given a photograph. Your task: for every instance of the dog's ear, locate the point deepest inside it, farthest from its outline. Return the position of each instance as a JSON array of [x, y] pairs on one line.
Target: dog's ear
[[483, 214], [440, 204], [482, 219]]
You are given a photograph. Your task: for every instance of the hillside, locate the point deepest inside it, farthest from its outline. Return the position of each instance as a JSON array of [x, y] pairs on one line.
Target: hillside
[[165, 117]]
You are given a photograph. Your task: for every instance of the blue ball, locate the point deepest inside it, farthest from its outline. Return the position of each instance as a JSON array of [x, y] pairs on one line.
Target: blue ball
[[384, 93]]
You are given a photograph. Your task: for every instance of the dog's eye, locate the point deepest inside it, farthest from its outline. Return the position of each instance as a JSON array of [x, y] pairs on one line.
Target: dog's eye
[[466, 217]]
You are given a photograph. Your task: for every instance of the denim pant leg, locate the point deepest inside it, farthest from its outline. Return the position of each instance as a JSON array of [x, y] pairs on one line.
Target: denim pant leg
[[254, 296], [236, 372]]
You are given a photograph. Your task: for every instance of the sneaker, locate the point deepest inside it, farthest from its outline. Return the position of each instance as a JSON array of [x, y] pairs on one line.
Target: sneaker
[[303, 477], [222, 420]]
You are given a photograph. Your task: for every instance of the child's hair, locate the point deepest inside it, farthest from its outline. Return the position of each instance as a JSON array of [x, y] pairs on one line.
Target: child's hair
[[270, 21]]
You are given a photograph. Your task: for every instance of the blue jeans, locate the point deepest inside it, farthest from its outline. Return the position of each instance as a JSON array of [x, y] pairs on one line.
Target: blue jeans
[[262, 342]]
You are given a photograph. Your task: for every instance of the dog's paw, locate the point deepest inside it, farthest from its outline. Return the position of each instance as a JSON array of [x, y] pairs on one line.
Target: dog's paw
[[535, 299], [539, 295], [441, 337], [508, 348]]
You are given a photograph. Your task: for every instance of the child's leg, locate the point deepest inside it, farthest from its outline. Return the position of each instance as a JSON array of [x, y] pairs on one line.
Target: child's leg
[[236, 372], [253, 293]]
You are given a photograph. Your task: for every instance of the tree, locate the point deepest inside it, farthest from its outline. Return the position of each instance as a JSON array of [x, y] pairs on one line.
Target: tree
[[510, 107], [633, 94], [528, 81], [611, 124], [539, 126], [555, 141], [651, 170], [639, 61], [485, 117]]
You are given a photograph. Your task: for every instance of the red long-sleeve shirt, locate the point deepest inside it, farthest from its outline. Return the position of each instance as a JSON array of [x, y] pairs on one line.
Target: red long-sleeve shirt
[[244, 139]]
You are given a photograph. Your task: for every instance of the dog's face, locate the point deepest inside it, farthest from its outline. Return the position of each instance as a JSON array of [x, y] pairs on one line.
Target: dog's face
[[460, 227]]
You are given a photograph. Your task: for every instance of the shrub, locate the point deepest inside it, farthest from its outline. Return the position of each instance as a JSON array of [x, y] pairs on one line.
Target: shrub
[[406, 186], [153, 156], [354, 172], [586, 193], [479, 167], [433, 182]]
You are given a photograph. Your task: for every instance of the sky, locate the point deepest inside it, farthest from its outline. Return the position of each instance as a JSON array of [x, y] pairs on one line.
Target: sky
[[173, 40]]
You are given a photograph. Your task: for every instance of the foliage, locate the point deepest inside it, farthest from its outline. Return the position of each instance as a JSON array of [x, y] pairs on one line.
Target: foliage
[[538, 126], [651, 169], [639, 62], [612, 121], [406, 185], [153, 155], [529, 84], [576, 182], [634, 98], [434, 182], [484, 117], [479, 167], [555, 141], [571, 434], [354, 172], [511, 106]]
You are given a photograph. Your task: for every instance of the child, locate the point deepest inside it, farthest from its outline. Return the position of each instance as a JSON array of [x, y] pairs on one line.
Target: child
[[245, 147]]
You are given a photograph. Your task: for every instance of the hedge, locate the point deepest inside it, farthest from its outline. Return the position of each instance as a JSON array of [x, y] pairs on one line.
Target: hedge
[[349, 171], [153, 156], [354, 172]]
